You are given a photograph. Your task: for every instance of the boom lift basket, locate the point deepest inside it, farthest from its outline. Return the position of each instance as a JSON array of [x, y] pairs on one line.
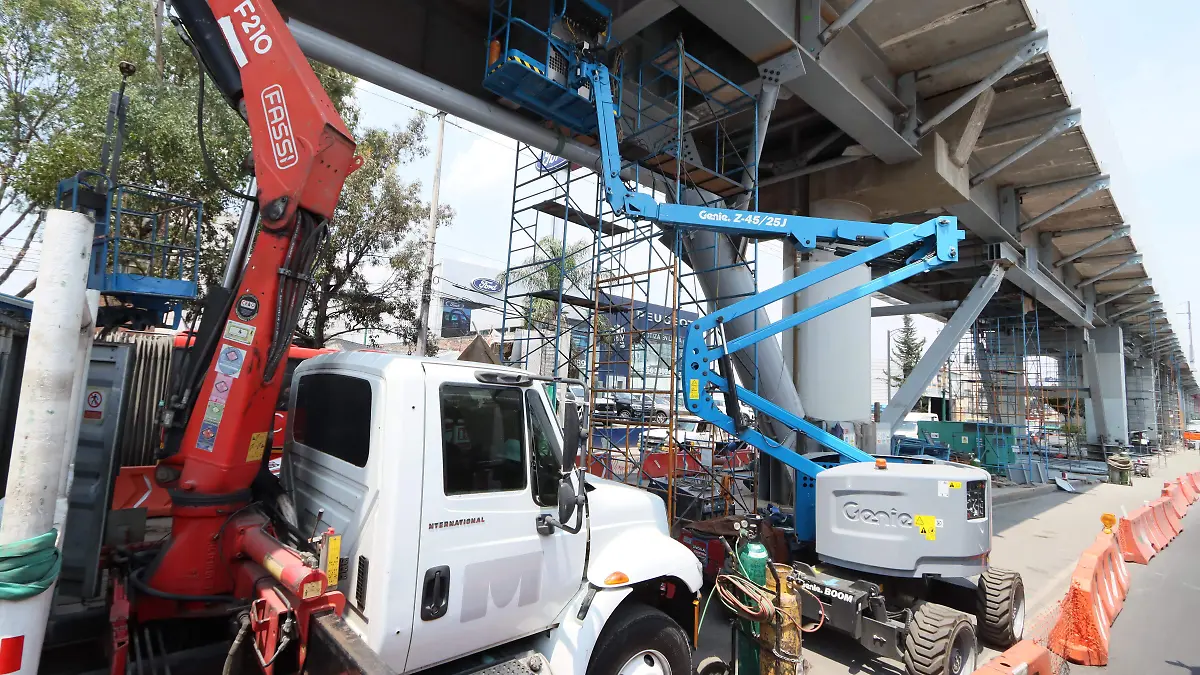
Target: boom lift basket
[[145, 252]]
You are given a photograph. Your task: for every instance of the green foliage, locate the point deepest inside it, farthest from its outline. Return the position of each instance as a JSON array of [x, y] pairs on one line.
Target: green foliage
[[58, 69], [379, 221], [907, 349], [545, 270]]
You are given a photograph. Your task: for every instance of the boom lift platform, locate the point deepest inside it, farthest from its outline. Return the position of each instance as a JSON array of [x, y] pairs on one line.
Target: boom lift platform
[[146, 249], [869, 522]]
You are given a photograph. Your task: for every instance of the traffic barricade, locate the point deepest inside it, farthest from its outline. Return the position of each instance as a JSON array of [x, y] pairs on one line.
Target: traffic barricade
[[1179, 503], [1134, 537], [1097, 593], [1185, 485], [1024, 658], [1164, 515]]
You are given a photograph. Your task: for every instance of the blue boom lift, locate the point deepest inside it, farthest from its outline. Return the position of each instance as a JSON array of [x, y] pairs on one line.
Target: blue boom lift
[[555, 66]]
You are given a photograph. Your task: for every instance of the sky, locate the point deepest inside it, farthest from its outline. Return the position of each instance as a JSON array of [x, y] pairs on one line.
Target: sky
[[1132, 72]]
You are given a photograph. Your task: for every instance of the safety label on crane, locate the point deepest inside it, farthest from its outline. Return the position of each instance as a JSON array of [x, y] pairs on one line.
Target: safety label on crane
[[214, 412], [927, 525], [208, 436], [258, 444], [241, 333], [230, 361], [694, 390], [221, 386]]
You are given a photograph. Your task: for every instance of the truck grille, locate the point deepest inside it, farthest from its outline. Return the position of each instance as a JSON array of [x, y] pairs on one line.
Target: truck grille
[[360, 588], [976, 499]]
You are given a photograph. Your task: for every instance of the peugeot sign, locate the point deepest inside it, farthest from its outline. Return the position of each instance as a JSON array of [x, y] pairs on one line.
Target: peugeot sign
[[486, 285]]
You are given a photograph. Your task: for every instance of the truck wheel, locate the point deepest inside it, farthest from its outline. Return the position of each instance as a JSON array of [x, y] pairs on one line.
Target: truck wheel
[[940, 641], [1001, 610], [712, 665], [641, 640]]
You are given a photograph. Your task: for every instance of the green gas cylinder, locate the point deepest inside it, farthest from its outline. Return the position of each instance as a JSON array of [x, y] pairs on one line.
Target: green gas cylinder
[[753, 560]]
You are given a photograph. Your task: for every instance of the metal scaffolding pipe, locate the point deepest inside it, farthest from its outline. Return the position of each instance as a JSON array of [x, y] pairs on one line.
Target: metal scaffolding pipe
[[1119, 233], [1063, 124], [812, 168], [915, 308], [1095, 186], [1133, 260], [844, 19], [732, 280], [1006, 47], [1060, 234], [1141, 284], [1025, 53], [1152, 300]]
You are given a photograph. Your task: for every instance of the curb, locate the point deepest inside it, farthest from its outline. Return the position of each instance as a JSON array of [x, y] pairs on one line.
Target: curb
[[1023, 494]]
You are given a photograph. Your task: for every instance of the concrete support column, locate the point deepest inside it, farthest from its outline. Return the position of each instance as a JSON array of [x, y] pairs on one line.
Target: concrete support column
[[1141, 391], [1104, 373]]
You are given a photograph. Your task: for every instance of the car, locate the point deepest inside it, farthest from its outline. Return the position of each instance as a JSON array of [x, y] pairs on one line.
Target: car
[[747, 413]]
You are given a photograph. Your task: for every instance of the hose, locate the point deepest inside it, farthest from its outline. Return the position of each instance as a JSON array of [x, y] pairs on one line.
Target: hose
[[231, 657], [1120, 462], [29, 567]]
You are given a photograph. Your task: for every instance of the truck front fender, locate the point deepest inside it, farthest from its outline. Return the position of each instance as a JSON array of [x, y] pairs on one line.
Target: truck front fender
[[641, 554], [569, 646]]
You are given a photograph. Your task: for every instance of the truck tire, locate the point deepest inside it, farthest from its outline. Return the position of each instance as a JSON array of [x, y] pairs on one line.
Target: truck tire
[[1001, 607], [939, 641], [641, 640]]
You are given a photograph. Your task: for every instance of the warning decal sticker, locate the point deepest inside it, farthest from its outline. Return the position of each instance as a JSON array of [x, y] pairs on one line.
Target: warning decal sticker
[[208, 435], [241, 333], [230, 361], [258, 444], [221, 386], [927, 525]]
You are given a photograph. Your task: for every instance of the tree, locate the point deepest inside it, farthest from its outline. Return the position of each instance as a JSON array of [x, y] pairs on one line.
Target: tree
[[370, 270], [548, 268], [41, 51], [75, 83], [906, 350]]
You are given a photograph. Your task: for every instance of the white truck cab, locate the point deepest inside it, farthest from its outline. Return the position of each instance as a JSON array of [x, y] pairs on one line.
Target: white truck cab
[[462, 534]]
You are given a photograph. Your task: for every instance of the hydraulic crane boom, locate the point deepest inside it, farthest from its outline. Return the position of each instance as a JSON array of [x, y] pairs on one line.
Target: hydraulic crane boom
[[219, 417], [705, 345]]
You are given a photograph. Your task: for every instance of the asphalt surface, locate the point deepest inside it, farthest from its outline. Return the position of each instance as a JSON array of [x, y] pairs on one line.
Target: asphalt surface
[[1158, 631]]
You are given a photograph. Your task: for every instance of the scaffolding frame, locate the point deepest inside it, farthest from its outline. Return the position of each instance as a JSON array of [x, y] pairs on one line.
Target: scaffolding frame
[[635, 271]]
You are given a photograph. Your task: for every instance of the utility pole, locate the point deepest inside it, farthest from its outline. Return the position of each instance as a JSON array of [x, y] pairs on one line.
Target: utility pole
[[889, 365], [159, 13], [1191, 339], [430, 240]]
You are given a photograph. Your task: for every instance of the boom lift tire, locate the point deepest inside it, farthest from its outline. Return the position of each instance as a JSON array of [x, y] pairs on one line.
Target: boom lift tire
[[641, 640], [939, 641], [1001, 607]]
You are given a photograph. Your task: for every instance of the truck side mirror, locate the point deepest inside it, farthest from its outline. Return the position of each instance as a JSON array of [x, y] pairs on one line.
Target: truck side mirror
[[570, 436]]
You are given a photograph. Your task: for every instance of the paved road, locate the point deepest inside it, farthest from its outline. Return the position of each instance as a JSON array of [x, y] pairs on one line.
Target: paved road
[[1158, 631]]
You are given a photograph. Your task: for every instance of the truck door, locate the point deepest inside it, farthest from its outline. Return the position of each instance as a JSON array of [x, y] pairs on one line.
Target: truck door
[[484, 574]]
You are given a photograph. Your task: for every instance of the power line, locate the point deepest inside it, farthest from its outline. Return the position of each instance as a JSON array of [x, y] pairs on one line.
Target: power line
[[452, 123]]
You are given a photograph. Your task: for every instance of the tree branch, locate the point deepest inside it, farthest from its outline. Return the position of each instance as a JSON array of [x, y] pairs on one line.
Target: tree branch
[[24, 249]]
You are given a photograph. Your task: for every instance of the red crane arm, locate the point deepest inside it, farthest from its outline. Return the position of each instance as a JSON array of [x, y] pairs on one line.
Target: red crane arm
[[302, 154]]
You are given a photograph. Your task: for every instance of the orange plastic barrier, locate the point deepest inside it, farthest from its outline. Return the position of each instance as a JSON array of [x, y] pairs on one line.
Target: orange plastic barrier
[[1159, 537], [1097, 593], [1173, 492], [1164, 515], [1024, 658], [135, 488], [1134, 538], [1185, 486], [1194, 477]]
